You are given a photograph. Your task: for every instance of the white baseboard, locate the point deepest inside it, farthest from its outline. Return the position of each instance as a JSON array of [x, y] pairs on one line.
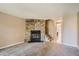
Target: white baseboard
[[11, 45], [69, 44]]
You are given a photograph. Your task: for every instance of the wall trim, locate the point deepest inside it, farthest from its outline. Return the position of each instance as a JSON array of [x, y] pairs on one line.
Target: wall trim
[[11, 45], [70, 45]]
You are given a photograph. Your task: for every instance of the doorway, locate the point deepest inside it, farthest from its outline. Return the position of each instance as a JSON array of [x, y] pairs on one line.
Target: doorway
[[59, 31]]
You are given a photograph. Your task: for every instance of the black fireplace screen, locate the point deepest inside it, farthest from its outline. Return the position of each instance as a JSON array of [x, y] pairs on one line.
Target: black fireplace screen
[[35, 36]]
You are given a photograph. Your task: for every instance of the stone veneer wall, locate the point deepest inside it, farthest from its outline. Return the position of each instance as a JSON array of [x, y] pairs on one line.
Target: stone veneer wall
[[34, 24]]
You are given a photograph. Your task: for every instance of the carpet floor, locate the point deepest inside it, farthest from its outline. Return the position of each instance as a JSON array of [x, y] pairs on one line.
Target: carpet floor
[[40, 49]]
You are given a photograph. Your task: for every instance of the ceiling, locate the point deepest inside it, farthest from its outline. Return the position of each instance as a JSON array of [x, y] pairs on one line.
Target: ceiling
[[38, 10]]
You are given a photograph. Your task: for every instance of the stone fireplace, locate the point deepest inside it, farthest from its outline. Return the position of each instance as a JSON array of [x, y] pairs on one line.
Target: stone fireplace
[[35, 36], [35, 30]]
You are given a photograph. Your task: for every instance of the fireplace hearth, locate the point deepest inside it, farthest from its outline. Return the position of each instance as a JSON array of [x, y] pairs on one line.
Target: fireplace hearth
[[35, 36]]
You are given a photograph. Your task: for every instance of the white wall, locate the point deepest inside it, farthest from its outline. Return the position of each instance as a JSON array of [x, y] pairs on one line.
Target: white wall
[[78, 28], [12, 30], [70, 29], [51, 28]]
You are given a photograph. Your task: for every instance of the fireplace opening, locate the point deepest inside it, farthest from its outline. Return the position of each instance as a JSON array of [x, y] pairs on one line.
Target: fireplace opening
[[35, 36]]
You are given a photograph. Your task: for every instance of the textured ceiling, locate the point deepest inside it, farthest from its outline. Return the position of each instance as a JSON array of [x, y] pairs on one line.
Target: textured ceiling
[[38, 10]]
